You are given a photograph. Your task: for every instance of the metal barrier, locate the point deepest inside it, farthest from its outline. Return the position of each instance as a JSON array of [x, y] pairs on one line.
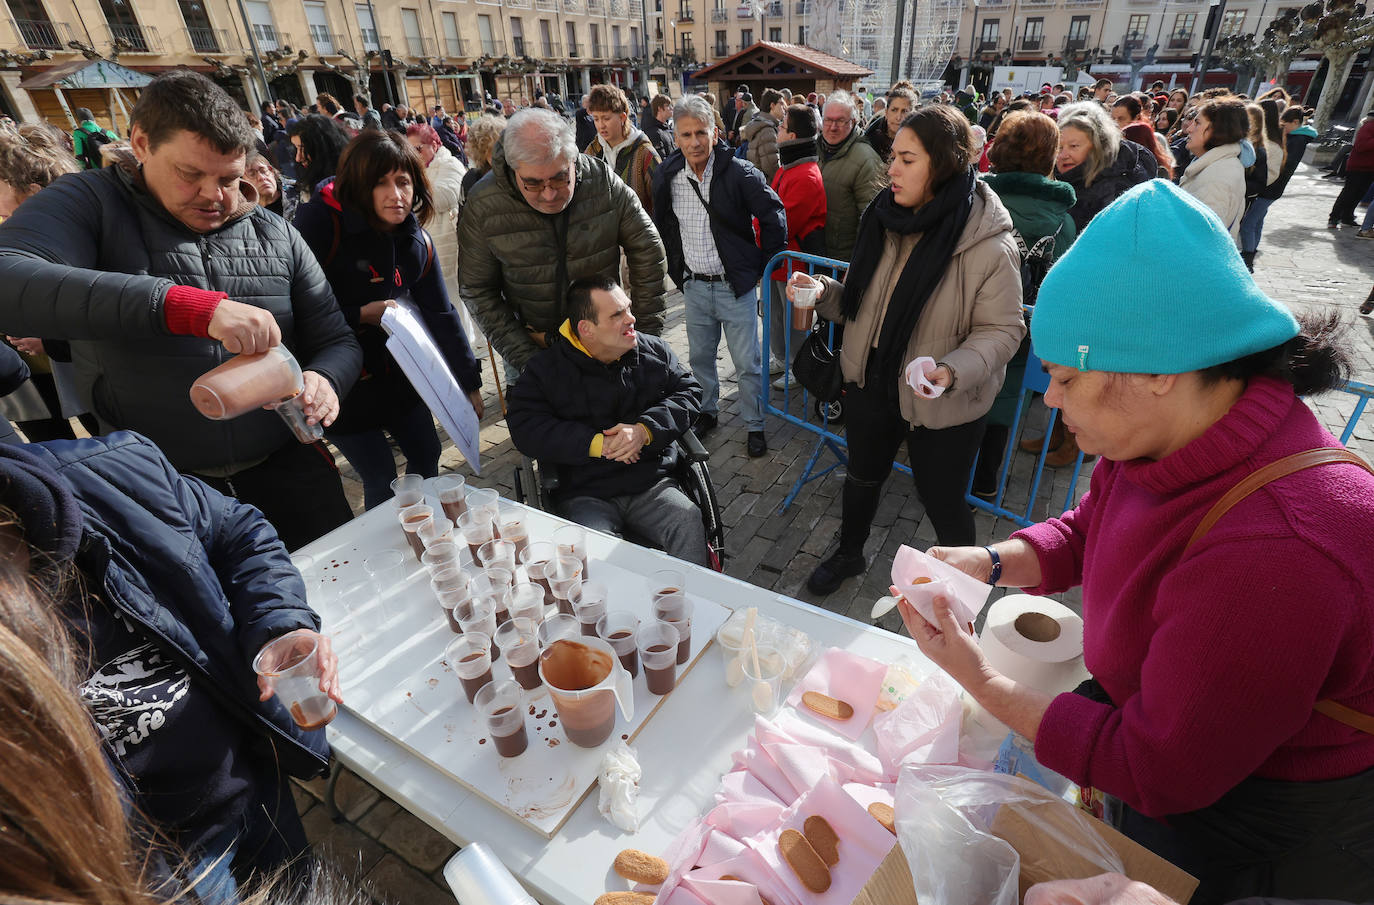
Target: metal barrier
[[1034, 382]]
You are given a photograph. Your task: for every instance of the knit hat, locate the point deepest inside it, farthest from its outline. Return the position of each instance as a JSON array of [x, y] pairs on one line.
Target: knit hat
[[42, 500], [1209, 311]]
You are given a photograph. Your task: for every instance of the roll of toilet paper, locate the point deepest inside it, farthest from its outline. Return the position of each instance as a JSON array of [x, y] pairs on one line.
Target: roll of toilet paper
[[1035, 641]]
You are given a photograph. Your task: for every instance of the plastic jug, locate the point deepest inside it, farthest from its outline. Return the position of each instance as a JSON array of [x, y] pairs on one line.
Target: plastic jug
[[586, 681], [247, 382]]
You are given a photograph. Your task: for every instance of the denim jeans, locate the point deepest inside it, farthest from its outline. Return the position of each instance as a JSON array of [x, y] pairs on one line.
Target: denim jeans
[[783, 340], [662, 516], [711, 308], [1252, 224], [370, 454]]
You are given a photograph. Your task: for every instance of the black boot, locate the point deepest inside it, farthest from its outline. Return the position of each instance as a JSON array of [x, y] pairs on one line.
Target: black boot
[[1249, 258]]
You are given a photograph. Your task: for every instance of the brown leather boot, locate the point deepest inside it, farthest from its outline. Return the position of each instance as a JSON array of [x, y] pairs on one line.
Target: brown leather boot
[[1032, 444], [1065, 454]]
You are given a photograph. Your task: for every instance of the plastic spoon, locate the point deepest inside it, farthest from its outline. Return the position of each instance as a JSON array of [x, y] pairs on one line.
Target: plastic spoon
[[763, 692]]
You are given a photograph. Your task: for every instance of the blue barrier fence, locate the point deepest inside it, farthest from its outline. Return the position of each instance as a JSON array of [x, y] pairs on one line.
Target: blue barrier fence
[[1035, 381]]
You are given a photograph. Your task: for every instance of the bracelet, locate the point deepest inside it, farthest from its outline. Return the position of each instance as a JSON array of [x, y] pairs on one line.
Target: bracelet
[[996, 566], [953, 377]]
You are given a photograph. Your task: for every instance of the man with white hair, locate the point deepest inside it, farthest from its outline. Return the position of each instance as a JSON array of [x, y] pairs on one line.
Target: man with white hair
[[704, 199], [851, 170], [544, 217]]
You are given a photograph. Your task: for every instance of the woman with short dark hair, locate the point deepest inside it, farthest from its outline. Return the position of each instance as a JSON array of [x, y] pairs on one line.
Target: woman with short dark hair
[[935, 274], [319, 141], [365, 227], [1216, 177]]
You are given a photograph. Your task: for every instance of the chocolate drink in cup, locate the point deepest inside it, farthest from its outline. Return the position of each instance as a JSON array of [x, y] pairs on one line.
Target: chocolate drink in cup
[[452, 493], [290, 664], [670, 604], [472, 685], [469, 656], [657, 654], [572, 541], [519, 640], [619, 630], [412, 517], [499, 704], [803, 306]]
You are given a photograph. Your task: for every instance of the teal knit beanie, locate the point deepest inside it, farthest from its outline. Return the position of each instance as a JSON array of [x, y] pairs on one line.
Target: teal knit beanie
[[1095, 314]]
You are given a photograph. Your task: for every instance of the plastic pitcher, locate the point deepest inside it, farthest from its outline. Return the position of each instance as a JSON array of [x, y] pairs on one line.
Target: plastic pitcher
[[586, 681], [247, 382]]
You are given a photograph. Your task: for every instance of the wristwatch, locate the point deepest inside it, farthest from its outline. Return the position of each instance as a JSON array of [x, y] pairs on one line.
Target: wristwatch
[[996, 566]]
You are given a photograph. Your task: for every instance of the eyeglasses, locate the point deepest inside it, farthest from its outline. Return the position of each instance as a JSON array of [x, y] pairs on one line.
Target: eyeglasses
[[841, 121], [538, 185], [260, 171]]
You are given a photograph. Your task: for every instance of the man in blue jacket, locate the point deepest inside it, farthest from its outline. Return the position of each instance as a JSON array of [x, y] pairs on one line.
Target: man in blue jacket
[[174, 588], [605, 405], [704, 201]]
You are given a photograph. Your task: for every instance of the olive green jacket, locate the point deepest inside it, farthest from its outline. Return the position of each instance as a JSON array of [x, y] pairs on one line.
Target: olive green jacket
[[852, 176]]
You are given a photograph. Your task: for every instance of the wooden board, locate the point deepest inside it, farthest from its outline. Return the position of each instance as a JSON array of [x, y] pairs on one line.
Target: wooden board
[[395, 679]]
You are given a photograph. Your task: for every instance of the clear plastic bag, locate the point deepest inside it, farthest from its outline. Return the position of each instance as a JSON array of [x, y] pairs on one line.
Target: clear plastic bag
[[945, 820]]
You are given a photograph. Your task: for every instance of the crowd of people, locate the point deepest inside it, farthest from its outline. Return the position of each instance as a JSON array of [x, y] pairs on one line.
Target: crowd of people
[[554, 240]]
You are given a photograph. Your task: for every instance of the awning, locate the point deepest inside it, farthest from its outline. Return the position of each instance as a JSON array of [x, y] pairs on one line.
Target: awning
[[87, 74]]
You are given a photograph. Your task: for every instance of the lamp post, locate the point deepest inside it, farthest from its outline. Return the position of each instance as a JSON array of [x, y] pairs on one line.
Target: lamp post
[[253, 46]]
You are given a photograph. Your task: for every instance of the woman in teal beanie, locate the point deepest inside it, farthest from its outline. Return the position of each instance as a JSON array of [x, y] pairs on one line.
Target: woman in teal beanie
[[1023, 157], [1223, 551]]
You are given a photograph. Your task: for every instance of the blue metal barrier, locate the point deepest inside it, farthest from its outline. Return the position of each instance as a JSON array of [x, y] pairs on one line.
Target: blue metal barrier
[[1034, 382]]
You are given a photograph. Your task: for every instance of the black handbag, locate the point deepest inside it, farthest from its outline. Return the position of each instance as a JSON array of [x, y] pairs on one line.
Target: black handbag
[[817, 367]]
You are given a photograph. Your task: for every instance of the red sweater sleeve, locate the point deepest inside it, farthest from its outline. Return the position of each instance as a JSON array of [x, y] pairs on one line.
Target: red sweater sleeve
[[188, 310], [1059, 542]]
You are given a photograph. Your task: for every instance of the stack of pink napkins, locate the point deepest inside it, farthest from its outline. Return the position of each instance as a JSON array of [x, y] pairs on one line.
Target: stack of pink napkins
[[800, 764]]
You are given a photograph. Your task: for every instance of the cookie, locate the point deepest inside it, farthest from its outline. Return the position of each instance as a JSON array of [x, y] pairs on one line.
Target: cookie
[[828, 707], [921, 580], [810, 869], [626, 898], [823, 839], [639, 867], [884, 814]]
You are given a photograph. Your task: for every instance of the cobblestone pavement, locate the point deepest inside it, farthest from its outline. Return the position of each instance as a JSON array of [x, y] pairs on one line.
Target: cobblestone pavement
[[1301, 263]]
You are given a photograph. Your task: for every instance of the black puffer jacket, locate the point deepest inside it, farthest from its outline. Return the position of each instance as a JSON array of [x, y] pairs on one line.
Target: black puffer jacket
[[95, 256], [566, 397], [1134, 164], [517, 263]]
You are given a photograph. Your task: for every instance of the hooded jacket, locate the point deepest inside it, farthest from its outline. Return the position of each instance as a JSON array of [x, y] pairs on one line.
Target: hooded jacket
[[1217, 179], [738, 193], [566, 398], [517, 263], [660, 135], [1296, 143], [972, 321], [96, 255], [762, 134], [634, 164], [798, 185], [853, 174], [1133, 165], [1039, 207]]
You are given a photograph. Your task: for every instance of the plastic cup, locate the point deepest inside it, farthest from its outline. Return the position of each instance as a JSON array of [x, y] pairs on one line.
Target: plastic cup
[[469, 656], [511, 526], [494, 584], [518, 640], [658, 643], [571, 540], [772, 664], [499, 704], [387, 570], [291, 666], [527, 602], [536, 560], [484, 500], [803, 306], [449, 598], [621, 631], [477, 615], [729, 638], [439, 555], [363, 604], [412, 517], [436, 530], [557, 627], [589, 605], [565, 574], [670, 604], [497, 554], [408, 490], [476, 875], [452, 492], [476, 529]]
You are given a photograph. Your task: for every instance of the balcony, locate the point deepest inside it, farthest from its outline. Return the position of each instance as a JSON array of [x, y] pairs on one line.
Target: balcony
[[1035, 43], [517, 47], [42, 34], [802, 7], [620, 51], [1072, 45], [1039, 4], [620, 9], [596, 7], [1134, 41], [720, 15], [370, 39], [636, 9], [598, 51], [493, 48], [745, 45], [572, 6], [456, 48], [134, 38], [720, 51], [993, 4], [744, 12], [684, 14], [420, 47], [1181, 41], [574, 51], [550, 50], [988, 45], [773, 9], [208, 40], [1079, 4], [328, 44]]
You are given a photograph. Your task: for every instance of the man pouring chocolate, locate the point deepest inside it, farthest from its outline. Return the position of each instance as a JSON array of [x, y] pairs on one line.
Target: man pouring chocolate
[[1223, 551]]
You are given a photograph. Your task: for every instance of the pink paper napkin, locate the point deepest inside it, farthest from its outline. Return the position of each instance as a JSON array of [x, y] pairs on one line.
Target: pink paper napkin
[[845, 677], [924, 728], [682, 855], [744, 787], [863, 844], [965, 593], [916, 378], [758, 762], [851, 760], [803, 765], [680, 895], [751, 869], [885, 793], [720, 847], [740, 820]]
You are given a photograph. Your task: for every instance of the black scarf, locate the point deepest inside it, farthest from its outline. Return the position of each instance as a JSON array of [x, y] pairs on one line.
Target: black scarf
[[940, 221], [798, 150]]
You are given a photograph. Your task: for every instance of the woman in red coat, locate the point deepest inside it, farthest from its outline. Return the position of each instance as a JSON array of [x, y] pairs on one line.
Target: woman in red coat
[[798, 183]]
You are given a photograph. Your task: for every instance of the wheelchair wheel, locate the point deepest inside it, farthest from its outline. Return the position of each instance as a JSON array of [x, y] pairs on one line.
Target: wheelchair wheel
[[833, 411]]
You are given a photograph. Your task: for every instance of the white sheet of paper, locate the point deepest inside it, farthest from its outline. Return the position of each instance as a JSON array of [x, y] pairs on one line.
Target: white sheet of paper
[[414, 349]]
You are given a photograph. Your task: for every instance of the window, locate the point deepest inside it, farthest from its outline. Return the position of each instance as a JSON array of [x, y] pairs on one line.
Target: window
[[987, 38], [616, 42], [1137, 27], [484, 33], [410, 21], [801, 34], [775, 35], [1078, 28], [517, 37], [571, 30], [453, 40], [260, 17], [722, 43], [317, 20], [366, 26], [1034, 36], [746, 37], [35, 27], [1232, 21], [546, 47], [635, 48], [198, 29], [597, 49]]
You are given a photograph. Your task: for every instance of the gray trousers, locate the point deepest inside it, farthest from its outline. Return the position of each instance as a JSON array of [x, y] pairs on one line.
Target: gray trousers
[[662, 516]]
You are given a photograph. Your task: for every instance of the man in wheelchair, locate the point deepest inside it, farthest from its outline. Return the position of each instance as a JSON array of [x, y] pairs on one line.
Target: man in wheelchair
[[605, 406]]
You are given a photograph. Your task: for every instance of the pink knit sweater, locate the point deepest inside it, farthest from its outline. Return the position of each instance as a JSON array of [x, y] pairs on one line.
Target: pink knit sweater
[[1215, 658]]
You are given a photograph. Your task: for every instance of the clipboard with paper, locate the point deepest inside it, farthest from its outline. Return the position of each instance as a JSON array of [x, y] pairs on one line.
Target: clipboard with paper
[[409, 342]]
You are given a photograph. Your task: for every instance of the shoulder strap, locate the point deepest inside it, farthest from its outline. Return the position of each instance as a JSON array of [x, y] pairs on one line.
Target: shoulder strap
[[717, 218], [1270, 473], [429, 253], [338, 237], [1280, 468]]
